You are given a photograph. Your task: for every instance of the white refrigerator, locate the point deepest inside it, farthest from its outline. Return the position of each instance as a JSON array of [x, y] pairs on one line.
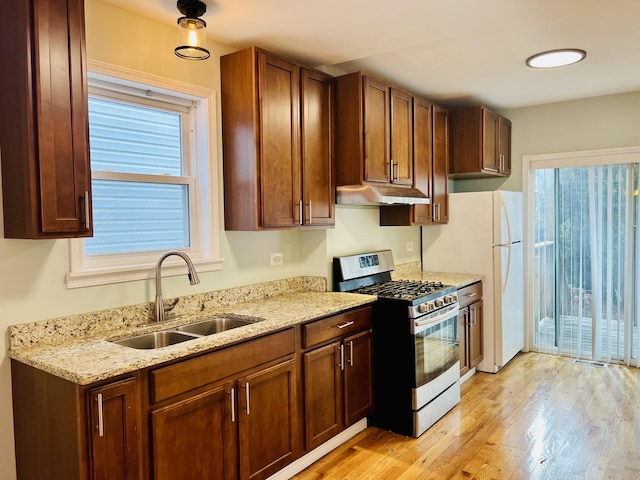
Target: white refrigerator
[[484, 236]]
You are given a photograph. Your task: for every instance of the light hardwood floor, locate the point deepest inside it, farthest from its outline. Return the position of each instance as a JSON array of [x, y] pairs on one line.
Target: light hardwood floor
[[541, 417]]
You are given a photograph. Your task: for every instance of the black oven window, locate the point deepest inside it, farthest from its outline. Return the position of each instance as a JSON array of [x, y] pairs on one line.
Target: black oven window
[[436, 350]]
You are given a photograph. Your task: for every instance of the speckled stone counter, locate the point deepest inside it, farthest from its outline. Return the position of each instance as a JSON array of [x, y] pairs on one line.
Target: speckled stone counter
[[411, 271], [93, 358]]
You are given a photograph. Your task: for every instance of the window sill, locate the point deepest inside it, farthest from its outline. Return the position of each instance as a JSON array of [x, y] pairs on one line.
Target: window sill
[[129, 274]]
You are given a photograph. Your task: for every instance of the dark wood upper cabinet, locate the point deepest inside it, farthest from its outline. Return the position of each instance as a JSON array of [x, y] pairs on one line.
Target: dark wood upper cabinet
[[374, 132], [440, 193], [375, 115], [316, 129], [430, 169], [401, 137], [480, 143], [277, 128], [44, 134]]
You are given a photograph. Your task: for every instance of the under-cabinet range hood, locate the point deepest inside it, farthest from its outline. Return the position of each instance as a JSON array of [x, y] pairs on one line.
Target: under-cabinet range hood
[[379, 195]]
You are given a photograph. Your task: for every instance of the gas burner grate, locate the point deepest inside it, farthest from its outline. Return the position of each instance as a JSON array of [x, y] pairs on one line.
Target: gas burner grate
[[402, 289]]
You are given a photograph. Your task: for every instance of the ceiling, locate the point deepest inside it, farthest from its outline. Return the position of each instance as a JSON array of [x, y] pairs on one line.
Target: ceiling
[[454, 52]]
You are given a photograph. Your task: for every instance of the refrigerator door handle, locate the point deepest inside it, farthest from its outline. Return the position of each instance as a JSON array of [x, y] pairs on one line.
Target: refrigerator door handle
[[507, 245]]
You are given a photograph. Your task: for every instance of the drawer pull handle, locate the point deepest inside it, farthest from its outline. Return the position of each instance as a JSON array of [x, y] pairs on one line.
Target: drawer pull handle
[[472, 294], [100, 416], [341, 357], [345, 325]]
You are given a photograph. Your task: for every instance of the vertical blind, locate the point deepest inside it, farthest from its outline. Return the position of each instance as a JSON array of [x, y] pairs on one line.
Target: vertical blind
[[586, 262]]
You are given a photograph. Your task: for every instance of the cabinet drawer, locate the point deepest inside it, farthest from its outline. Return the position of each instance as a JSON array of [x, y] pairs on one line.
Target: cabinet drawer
[[469, 294], [181, 377], [336, 326]]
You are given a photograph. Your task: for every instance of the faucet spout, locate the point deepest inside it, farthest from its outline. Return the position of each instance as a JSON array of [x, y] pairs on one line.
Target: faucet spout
[[192, 274]]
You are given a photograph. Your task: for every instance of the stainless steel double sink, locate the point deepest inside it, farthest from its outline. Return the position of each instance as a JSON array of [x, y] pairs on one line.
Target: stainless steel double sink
[[183, 333]]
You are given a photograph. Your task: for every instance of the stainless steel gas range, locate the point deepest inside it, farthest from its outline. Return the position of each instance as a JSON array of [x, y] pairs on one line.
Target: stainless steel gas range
[[415, 332]]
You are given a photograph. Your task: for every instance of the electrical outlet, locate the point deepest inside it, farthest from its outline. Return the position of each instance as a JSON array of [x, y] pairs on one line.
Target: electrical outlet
[[409, 246], [276, 259]]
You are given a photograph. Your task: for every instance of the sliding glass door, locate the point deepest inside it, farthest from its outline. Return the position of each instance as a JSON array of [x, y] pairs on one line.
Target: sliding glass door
[[586, 248]]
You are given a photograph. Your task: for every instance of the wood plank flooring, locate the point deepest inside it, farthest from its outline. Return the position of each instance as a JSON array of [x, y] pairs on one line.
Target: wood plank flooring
[[541, 417]]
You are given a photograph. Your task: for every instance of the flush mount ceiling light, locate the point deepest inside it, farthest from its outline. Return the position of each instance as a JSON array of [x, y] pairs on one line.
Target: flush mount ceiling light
[[192, 40], [556, 58]]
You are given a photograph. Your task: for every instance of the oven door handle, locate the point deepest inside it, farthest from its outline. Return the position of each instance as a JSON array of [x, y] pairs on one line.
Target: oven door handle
[[419, 325]]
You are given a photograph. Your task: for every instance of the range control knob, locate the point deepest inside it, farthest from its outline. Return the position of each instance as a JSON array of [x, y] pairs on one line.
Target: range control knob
[[426, 307], [450, 298], [439, 302]]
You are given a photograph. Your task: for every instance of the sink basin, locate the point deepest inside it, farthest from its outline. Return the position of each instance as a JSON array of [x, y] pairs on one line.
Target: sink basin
[[149, 341], [214, 325]]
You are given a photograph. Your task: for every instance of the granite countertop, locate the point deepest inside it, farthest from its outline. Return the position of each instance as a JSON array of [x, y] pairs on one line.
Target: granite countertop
[[88, 360], [458, 279]]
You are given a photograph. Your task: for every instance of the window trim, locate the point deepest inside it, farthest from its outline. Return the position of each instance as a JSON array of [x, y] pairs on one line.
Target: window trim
[[205, 251]]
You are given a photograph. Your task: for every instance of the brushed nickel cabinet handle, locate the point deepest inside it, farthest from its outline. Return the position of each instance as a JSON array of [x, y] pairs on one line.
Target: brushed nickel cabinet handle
[[310, 213], [100, 416], [341, 357], [87, 209], [471, 295], [345, 325], [246, 391], [351, 353], [301, 210], [233, 404]]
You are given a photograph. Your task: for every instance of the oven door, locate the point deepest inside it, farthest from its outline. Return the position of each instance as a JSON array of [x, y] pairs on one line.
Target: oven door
[[436, 343]]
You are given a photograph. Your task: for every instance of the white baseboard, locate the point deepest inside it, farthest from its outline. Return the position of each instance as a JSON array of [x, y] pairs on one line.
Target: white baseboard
[[316, 454], [467, 375]]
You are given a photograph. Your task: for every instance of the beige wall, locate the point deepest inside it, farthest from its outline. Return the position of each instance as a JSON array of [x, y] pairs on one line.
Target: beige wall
[[32, 272]]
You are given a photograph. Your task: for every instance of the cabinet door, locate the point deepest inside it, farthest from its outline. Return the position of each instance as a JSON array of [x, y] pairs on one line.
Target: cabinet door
[[267, 419], [440, 183], [463, 339], [44, 127], [280, 185], [377, 167], [196, 438], [358, 378], [114, 431], [317, 147], [422, 157], [401, 137], [475, 333], [504, 146], [323, 394], [490, 125]]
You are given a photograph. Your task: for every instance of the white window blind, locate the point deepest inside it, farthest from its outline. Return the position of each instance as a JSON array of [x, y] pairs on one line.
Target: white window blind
[[140, 189]]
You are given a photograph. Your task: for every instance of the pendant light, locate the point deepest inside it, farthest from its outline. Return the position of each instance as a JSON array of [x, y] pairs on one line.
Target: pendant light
[[192, 40]]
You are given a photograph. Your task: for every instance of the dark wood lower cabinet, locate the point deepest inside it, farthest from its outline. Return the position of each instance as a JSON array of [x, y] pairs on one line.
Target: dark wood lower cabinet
[[229, 414], [266, 420], [338, 382], [470, 326], [196, 438], [115, 443], [323, 394], [358, 383]]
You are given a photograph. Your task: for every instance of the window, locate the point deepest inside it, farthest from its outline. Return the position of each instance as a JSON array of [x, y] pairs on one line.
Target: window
[[153, 185]]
